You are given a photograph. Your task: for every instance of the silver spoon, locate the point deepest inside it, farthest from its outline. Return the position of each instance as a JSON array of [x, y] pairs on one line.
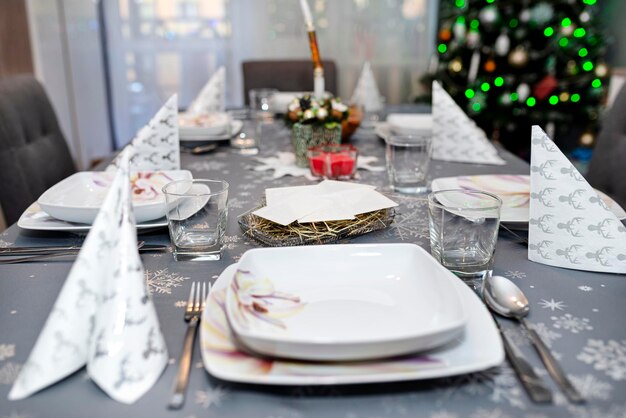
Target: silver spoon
[[506, 299]]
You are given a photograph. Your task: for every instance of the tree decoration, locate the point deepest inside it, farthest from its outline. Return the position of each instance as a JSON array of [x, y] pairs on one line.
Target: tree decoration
[[545, 87], [518, 58], [503, 44], [515, 63]]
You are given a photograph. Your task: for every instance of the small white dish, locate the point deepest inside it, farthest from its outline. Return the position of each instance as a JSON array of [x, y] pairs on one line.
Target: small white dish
[[79, 197], [35, 219], [209, 123], [343, 302], [199, 135], [410, 123], [478, 348], [514, 190]]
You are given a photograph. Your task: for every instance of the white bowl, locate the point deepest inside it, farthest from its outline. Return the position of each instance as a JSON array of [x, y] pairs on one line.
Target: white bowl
[[354, 302], [79, 197]]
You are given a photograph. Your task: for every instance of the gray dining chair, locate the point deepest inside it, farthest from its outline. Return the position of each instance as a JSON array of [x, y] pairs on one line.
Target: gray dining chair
[[606, 167], [286, 75], [33, 152]]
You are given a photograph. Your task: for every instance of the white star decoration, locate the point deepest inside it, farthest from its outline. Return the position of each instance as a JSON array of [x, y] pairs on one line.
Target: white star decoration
[[552, 304], [284, 164]]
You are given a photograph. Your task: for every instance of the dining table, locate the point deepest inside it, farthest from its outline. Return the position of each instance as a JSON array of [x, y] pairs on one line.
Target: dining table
[[578, 314]]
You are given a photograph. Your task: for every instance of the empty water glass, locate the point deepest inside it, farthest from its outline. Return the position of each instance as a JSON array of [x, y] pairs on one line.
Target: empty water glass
[[197, 215], [408, 158], [463, 232]]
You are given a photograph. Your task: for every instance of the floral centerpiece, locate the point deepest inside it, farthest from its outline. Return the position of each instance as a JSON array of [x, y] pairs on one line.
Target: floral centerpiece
[[315, 122]]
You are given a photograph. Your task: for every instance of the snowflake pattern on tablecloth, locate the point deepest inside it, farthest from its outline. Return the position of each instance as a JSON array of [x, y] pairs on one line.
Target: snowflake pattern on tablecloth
[[409, 226], [547, 334], [5, 244], [9, 372], [585, 288], [609, 356], [236, 203], [210, 397], [571, 323], [6, 351], [180, 303], [498, 384], [205, 165], [552, 304], [162, 281], [515, 274], [443, 414], [591, 387]]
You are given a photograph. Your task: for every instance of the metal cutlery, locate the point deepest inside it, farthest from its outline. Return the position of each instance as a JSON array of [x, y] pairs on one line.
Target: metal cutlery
[[193, 312], [200, 149], [508, 300], [16, 255]]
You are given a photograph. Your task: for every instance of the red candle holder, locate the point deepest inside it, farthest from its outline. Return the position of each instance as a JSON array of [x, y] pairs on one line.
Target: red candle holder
[[333, 161]]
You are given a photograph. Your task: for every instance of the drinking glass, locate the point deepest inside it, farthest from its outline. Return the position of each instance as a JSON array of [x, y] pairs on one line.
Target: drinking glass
[[463, 232], [197, 215], [408, 158]]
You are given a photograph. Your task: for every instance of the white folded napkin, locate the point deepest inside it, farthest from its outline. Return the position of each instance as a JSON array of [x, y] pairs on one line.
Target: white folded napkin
[[570, 225], [103, 316], [366, 92], [212, 96], [156, 146], [327, 201], [456, 137]]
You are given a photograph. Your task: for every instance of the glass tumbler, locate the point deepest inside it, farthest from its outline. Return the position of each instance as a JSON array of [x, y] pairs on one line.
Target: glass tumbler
[[463, 232], [197, 215], [408, 159]]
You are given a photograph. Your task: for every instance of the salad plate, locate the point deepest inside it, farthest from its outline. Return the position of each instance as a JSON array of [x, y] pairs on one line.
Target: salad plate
[[478, 348], [78, 198], [514, 190], [284, 302]]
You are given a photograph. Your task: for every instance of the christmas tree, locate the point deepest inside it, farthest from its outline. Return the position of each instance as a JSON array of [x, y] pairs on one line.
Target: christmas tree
[[514, 63]]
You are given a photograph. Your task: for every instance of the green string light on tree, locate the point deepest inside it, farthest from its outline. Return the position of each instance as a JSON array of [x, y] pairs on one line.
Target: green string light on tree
[[511, 64]]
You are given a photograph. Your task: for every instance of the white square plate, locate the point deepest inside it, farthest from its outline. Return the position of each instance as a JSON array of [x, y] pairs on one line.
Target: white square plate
[[343, 302], [478, 348], [514, 190], [79, 197]]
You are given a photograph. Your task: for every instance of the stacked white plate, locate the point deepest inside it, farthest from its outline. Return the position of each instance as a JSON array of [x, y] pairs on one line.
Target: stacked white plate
[[73, 203], [212, 126], [405, 124], [344, 314], [513, 189]]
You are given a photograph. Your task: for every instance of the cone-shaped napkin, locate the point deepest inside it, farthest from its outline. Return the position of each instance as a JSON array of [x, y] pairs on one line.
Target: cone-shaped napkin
[[366, 92], [103, 316], [156, 146], [455, 136], [570, 225], [212, 96]]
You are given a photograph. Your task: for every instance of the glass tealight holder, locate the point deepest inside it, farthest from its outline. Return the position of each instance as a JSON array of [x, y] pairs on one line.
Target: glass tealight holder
[[333, 161]]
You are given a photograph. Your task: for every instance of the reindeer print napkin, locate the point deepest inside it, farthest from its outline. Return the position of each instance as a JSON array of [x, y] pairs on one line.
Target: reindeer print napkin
[[570, 225]]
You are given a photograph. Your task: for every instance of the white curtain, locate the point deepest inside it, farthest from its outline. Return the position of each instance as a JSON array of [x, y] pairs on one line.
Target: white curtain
[[159, 47]]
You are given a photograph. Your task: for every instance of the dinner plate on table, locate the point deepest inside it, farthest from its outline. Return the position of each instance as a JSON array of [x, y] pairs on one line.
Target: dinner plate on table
[[478, 348], [79, 197], [199, 135], [514, 190], [35, 219], [322, 302]]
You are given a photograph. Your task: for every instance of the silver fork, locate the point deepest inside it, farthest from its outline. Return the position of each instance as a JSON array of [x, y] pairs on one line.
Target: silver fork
[[193, 312]]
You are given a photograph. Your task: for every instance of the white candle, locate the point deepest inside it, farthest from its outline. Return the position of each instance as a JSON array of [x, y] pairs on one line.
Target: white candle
[[308, 17]]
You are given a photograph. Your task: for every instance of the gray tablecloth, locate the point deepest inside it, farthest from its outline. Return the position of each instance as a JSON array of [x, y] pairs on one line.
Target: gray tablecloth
[[580, 315]]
